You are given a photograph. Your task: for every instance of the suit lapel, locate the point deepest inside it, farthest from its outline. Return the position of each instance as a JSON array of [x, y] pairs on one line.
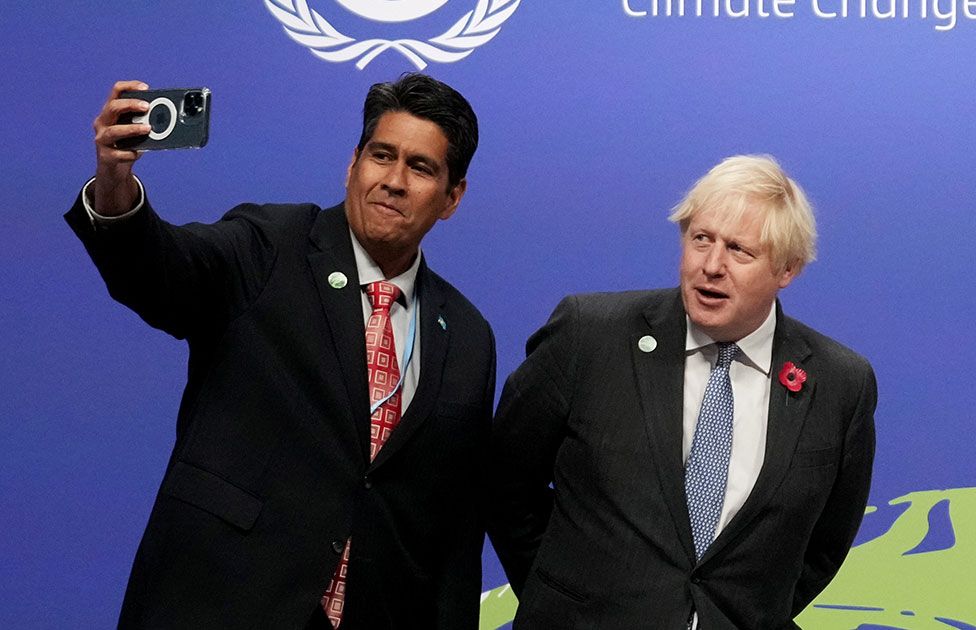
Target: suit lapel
[[330, 253], [434, 342], [660, 381], [787, 414]]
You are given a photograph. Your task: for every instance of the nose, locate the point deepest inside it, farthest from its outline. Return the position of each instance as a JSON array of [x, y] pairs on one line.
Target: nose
[[714, 263], [394, 181]]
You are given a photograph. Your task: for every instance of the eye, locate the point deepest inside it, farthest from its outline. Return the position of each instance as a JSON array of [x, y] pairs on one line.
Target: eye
[[422, 166], [381, 155], [740, 252]]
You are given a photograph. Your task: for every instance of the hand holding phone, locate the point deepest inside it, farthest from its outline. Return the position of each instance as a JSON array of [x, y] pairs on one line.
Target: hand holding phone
[[119, 142]]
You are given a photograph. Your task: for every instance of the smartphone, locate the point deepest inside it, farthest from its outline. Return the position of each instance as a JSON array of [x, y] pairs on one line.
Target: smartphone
[[179, 117]]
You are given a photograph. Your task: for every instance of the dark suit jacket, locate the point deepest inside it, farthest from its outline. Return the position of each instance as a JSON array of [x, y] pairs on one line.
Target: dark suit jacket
[[270, 472], [609, 545]]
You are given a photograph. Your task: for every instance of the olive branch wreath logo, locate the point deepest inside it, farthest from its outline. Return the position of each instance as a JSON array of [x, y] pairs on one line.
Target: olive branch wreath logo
[[476, 28]]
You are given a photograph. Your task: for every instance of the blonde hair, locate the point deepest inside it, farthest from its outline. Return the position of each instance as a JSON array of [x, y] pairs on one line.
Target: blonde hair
[[789, 230]]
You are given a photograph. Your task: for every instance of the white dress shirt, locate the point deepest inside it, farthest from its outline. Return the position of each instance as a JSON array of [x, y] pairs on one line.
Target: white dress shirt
[[101, 219], [401, 313], [750, 376]]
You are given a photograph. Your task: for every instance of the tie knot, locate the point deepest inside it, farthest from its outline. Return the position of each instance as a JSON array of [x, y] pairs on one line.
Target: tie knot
[[726, 352], [382, 294]]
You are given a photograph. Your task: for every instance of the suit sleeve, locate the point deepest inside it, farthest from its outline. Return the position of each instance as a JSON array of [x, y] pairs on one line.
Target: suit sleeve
[[529, 427], [179, 279], [459, 583], [841, 517]]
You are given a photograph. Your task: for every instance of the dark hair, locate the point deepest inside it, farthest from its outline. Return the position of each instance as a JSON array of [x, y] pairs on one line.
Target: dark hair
[[424, 97]]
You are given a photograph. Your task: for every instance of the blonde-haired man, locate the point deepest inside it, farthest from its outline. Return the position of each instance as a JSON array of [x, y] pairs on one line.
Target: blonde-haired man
[[687, 457]]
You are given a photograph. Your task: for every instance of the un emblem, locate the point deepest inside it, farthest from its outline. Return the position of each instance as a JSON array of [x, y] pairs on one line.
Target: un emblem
[[392, 10], [310, 29]]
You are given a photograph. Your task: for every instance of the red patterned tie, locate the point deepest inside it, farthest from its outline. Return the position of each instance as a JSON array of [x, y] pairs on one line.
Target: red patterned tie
[[384, 374]]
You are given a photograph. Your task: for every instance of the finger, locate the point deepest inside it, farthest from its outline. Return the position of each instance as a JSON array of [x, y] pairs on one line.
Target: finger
[[113, 109], [120, 156], [108, 136], [123, 86]]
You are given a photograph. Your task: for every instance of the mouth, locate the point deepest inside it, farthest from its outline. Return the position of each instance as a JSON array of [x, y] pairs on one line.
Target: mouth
[[710, 295], [387, 208]]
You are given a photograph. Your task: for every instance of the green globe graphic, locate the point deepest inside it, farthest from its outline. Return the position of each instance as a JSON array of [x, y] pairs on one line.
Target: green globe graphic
[[894, 581]]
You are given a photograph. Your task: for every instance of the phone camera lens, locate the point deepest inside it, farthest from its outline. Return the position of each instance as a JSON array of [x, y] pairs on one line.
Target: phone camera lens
[[193, 103]]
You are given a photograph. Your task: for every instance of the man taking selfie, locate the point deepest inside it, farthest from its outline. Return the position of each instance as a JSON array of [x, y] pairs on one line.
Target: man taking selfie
[[325, 471]]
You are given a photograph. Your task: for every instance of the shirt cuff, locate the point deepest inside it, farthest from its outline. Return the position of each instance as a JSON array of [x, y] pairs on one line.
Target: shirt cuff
[[99, 219]]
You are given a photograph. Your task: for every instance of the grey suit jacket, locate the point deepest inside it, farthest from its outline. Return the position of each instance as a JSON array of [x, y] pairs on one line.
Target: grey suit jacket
[[590, 519]]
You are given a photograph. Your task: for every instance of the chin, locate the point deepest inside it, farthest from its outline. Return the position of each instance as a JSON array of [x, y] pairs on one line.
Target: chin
[[711, 326], [707, 319]]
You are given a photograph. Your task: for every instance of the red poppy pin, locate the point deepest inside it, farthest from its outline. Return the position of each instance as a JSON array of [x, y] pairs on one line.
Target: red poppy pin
[[792, 377]]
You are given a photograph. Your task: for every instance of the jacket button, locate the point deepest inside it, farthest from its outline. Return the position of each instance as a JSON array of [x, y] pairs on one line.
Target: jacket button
[[338, 546], [696, 580], [367, 483]]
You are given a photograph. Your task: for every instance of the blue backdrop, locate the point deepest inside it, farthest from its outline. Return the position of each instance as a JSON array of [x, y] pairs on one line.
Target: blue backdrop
[[595, 118]]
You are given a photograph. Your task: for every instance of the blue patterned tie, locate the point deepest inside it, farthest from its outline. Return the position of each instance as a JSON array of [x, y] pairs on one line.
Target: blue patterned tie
[[708, 463]]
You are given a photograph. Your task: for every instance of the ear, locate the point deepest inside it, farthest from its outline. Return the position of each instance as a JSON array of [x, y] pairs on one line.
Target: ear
[[791, 271], [352, 163], [453, 199]]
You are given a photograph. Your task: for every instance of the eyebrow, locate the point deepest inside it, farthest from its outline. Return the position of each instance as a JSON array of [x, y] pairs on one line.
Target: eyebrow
[[754, 249], [374, 145]]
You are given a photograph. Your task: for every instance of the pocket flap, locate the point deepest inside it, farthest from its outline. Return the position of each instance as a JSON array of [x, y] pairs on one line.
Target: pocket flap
[[212, 494], [820, 457]]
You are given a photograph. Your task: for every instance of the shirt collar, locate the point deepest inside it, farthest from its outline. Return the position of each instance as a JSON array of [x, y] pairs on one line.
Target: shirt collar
[[369, 271], [756, 347]]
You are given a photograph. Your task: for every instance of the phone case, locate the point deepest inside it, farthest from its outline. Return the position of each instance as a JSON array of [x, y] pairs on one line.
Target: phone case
[[180, 118]]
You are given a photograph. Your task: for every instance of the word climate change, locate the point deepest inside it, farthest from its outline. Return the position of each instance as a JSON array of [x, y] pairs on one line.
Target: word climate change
[[944, 14]]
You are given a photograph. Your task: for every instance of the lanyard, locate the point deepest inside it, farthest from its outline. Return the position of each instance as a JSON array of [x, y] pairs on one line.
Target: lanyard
[[407, 354]]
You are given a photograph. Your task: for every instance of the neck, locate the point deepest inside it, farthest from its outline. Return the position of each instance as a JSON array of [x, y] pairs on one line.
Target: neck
[[392, 264]]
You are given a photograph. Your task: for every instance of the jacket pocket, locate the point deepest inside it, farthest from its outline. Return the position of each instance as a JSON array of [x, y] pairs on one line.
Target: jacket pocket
[[212, 494], [559, 587], [819, 457]]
